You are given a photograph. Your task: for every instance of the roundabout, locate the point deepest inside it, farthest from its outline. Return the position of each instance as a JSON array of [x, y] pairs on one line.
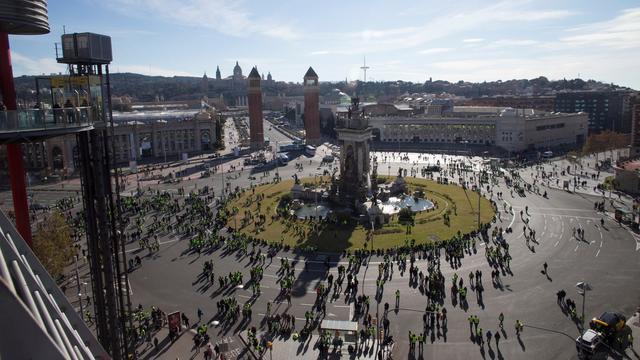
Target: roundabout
[[174, 278], [265, 213]]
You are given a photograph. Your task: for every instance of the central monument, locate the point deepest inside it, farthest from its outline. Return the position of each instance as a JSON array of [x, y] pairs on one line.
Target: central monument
[[354, 134]]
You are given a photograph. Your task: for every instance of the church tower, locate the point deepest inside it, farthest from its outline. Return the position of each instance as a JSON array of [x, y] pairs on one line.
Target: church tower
[[218, 76], [204, 85], [254, 93], [311, 107]]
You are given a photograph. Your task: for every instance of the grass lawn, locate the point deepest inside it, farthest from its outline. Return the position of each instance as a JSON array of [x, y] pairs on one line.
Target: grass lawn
[[429, 226]]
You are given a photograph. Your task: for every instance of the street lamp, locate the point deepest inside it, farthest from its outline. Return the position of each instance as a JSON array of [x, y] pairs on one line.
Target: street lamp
[[583, 287], [372, 229], [78, 287]]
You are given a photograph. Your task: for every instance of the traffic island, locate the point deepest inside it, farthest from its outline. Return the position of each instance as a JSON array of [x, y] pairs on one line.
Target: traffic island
[[266, 213]]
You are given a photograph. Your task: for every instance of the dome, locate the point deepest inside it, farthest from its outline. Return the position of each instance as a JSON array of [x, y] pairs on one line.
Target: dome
[[237, 70]]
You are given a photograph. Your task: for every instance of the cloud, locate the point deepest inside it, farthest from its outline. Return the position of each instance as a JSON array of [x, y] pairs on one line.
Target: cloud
[[320, 52], [431, 51], [622, 70], [149, 70], [224, 16], [621, 32], [445, 25], [24, 65]]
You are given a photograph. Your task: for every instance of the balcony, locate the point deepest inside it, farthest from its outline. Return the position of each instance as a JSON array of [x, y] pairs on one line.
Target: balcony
[[20, 125]]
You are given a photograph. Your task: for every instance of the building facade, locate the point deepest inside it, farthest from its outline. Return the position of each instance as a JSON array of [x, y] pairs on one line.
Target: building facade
[[138, 136], [544, 103], [513, 130], [608, 110], [161, 139]]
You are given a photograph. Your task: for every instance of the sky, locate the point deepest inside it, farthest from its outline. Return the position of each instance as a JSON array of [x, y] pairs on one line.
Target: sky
[[471, 40]]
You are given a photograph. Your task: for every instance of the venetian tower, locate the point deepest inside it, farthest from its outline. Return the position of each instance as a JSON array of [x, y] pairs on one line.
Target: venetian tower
[[254, 94], [311, 107]]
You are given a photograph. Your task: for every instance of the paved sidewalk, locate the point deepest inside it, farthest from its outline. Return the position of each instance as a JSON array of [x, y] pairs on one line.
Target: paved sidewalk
[[287, 348], [634, 324], [183, 347]]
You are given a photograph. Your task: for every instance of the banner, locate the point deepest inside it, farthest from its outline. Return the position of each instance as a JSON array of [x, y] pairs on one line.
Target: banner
[[174, 320]]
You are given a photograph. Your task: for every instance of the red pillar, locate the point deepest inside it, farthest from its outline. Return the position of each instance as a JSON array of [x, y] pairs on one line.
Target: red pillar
[[14, 152]]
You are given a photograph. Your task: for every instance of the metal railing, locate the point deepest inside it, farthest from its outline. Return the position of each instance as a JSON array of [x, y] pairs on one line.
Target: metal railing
[[47, 119]]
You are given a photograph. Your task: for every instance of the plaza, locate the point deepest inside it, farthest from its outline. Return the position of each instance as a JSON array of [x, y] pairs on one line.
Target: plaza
[[171, 277]]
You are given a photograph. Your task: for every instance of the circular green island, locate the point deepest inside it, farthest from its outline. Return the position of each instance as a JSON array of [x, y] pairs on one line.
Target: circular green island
[[264, 212]]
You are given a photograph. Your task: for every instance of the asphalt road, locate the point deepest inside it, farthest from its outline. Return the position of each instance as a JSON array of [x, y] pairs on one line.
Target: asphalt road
[[608, 260]]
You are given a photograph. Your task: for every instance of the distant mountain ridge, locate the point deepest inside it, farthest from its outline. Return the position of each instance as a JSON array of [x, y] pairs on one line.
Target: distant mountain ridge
[[146, 88]]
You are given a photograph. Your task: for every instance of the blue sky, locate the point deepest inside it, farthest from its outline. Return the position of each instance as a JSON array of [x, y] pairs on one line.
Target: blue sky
[[470, 40]]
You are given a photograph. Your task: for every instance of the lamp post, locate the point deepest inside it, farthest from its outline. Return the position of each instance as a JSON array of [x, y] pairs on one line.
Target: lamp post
[[372, 228], [583, 287], [78, 288]]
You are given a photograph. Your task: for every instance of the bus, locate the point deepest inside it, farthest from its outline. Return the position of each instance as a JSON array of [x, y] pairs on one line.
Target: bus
[[282, 159], [310, 150]]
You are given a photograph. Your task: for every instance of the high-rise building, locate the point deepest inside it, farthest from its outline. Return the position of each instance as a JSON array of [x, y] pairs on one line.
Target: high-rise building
[[311, 107], [254, 94], [608, 110], [634, 106]]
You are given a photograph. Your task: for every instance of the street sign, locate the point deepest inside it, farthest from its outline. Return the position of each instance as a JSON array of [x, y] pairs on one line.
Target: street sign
[[582, 287]]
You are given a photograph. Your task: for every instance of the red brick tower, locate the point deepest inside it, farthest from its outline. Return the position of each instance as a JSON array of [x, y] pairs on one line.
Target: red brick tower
[[254, 93], [311, 107]]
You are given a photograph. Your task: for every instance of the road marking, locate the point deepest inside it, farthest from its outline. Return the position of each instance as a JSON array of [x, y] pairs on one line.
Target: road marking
[[556, 244], [600, 243], [598, 253], [577, 246], [513, 216]]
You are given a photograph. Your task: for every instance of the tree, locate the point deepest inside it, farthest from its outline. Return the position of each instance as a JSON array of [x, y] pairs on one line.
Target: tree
[[405, 217], [52, 243], [604, 141]]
